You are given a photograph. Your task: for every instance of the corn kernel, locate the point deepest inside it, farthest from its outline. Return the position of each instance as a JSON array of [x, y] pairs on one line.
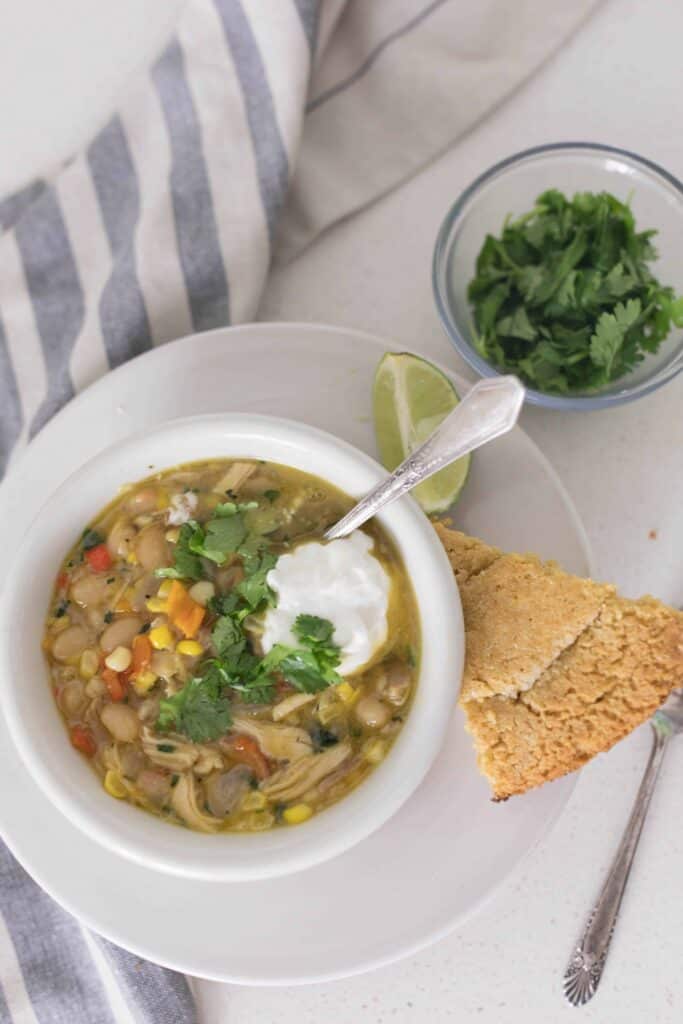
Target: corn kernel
[[119, 659], [60, 624], [190, 648], [374, 751], [349, 694], [89, 663], [202, 592], [165, 586], [162, 500], [172, 535], [132, 558], [254, 801], [114, 785], [144, 681], [161, 638], [297, 814], [156, 604]]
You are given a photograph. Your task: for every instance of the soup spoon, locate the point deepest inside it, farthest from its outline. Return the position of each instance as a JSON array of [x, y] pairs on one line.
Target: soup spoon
[[487, 411]]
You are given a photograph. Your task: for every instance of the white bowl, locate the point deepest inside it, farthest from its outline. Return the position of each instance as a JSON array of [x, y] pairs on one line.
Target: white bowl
[[38, 730]]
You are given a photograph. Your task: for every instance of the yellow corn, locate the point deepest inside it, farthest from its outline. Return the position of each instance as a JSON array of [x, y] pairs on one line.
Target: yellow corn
[[161, 638], [60, 624], [298, 813], [162, 500], [156, 604], [114, 785], [254, 801], [132, 558], [165, 585], [190, 647], [144, 681], [119, 659], [374, 751], [89, 663], [349, 694], [172, 535]]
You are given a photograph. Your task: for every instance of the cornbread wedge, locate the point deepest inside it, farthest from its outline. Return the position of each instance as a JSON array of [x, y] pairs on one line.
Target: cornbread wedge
[[557, 668]]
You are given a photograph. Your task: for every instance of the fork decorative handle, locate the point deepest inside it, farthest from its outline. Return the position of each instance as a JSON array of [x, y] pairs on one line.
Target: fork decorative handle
[[584, 970]]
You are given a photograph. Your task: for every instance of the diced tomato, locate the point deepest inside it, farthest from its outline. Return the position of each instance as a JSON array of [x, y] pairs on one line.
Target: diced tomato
[[116, 684], [246, 750], [142, 653], [62, 581], [99, 558], [83, 740]]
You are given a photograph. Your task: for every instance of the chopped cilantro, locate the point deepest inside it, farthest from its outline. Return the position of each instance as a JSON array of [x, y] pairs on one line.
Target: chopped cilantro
[[186, 562], [91, 539], [165, 748], [61, 608], [108, 616], [565, 297], [271, 495], [200, 711]]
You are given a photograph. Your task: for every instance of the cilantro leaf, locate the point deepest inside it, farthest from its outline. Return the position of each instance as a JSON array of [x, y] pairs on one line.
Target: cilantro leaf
[[566, 296], [186, 563], [200, 711]]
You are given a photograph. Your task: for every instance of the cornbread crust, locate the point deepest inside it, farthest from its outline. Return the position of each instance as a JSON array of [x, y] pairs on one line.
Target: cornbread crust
[[610, 678]]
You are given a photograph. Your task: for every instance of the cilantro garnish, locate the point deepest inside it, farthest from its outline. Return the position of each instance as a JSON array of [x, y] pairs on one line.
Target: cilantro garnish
[[201, 710], [91, 539], [565, 297]]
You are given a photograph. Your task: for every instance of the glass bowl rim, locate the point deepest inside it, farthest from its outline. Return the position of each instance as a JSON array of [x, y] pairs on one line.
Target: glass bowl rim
[[463, 346]]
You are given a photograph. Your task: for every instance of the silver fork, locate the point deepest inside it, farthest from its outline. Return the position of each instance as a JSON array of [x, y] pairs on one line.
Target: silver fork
[[585, 968]]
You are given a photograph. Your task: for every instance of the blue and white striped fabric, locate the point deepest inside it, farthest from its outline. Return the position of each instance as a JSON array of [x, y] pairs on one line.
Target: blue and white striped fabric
[[166, 225]]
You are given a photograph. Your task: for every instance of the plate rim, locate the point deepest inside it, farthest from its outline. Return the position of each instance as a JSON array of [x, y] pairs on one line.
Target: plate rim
[[406, 949]]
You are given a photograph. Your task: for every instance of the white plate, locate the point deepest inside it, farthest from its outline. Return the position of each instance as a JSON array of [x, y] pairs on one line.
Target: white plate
[[446, 850]]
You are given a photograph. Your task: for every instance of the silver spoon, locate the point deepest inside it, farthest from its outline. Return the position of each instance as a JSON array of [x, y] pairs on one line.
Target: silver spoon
[[584, 970], [488, 410]]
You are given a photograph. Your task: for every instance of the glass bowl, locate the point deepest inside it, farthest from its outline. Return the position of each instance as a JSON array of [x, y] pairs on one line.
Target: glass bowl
[[511, 188]]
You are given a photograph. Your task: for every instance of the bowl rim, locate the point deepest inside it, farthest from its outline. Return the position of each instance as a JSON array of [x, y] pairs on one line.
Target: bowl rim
[[310, 843], [462, 345]]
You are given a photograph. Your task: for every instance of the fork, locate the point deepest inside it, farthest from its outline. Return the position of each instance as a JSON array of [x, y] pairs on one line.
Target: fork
[[586, 965]]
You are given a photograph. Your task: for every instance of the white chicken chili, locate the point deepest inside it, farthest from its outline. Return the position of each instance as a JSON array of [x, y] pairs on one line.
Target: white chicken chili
[[217, 663]]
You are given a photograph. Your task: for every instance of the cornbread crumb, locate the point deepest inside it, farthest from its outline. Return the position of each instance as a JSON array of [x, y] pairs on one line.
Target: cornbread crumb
[[586, 692]]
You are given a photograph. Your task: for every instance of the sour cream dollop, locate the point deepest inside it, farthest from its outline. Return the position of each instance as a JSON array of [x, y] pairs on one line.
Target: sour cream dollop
[[341, 581]]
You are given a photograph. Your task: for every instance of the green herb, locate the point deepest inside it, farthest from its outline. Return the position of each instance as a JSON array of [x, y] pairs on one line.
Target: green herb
[[91, 539], [165, 748], [271, 496], [200, 711], [61, 608], [186, 563], [145, 628], [566, 297], [108, 616]]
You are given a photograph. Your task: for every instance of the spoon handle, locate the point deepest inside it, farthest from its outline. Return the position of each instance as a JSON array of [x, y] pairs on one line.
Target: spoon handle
[[488, 410], [587, 962]]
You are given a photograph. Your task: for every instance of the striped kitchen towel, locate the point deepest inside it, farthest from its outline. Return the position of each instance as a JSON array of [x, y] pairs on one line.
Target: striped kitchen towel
[[166, 225]]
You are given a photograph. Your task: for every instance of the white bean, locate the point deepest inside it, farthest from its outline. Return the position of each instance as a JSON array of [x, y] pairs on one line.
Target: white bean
[[144, 500], [89, 590], [372, 713], [120, 633], [70, 644], [121, 721], [152, 548], [121, 537]]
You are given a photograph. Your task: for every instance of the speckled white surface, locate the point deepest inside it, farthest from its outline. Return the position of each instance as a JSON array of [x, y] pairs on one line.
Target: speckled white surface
[[618, 81]]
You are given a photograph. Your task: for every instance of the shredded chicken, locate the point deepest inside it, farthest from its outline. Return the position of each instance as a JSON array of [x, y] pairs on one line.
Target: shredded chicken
[[185, 803], [281, 742], [290, 704], [296, 779], [235, 477], [183, 507], [183, 756]]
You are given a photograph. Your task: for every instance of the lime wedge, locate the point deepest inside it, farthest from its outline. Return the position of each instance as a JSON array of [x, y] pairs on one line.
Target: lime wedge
[[410, 398]]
